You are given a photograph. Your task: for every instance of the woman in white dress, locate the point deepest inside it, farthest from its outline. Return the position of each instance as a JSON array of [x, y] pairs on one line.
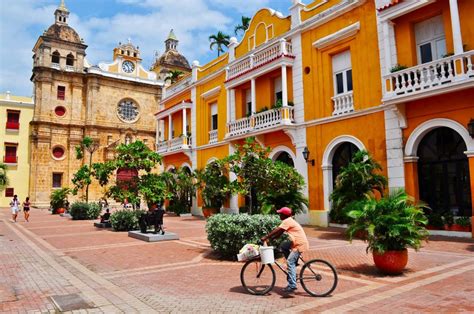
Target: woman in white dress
[[15, 207]]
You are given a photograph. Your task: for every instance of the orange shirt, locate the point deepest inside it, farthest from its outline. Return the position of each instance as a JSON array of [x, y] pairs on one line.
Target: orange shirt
[[296, 233]]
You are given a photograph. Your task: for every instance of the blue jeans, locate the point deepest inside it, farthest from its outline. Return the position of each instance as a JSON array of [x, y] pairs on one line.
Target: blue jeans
[[291, 262]]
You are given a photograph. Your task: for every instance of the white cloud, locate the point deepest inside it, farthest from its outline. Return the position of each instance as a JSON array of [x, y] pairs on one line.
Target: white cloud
[[146, 22]]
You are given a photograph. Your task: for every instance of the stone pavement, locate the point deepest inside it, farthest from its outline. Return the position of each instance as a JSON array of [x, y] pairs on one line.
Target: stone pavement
[[51, 257]]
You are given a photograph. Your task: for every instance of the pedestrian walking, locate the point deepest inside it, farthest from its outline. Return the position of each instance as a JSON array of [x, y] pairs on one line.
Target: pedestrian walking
[[26, 209], [15, 207]]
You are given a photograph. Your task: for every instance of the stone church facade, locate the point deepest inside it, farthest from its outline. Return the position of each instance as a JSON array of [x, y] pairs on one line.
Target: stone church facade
[[112, 103]]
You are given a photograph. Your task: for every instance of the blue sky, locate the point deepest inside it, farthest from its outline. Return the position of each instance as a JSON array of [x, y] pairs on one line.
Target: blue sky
[[105, 23]]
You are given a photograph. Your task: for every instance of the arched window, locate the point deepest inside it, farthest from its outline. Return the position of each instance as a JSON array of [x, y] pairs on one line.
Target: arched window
[[70, 59], [55, 57], [284, 157], [342, 157], [443, 172]]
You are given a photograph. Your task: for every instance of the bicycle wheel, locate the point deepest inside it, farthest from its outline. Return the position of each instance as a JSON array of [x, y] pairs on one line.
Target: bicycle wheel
[[257, 278], [318, 278]]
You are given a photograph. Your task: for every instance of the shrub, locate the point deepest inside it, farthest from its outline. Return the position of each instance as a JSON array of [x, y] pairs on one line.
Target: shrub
[[463, 221], [84, 211], [229, 233], [125, 220], [178, 207]]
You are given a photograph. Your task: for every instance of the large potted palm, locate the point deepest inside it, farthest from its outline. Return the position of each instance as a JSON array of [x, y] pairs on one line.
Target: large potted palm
[[392, 224]]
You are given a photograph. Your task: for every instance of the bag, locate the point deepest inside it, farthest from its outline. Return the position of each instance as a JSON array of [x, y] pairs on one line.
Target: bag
[[247, 252]]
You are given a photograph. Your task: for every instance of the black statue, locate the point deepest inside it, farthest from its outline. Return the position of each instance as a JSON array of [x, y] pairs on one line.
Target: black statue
[[153, 217]]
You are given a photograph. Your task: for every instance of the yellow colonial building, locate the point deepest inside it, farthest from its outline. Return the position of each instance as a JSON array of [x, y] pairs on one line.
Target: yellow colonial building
[[16, 112], [324, 80]]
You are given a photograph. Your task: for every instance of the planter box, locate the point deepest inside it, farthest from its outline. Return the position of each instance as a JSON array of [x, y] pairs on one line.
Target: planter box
[[456, 227]]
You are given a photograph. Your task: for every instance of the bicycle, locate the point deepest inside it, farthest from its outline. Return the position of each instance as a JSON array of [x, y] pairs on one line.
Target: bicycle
[[259, 279]]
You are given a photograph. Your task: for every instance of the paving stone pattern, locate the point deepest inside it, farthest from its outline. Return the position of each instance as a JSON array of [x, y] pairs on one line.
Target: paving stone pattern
[[108, 272]]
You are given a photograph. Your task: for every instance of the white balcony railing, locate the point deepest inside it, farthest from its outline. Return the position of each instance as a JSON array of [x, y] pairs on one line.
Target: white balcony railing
[[178, 86], [55, 66], [174, 144], [270, 53], [162, 147], [212, 136], [430, 76], [70, 68], [343, 103], [261, 121]]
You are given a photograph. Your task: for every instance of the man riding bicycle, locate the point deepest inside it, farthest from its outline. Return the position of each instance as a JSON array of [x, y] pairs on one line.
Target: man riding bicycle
[[299, 243]]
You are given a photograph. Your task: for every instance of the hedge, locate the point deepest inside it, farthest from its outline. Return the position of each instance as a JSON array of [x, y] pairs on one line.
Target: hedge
[[228, 233], [84, 211], [125, 219]]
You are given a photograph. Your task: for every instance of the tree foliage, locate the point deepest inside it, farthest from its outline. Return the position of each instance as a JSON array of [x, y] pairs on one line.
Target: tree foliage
[[173, 76], [243, 26], [220, 40], [274, 184], [355, 181], [83, 177], [213, 183], [3, 177]]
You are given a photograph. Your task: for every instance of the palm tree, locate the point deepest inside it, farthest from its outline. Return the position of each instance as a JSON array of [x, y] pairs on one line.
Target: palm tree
[[3, 176], [220, 39], [244, 26], [173, 76]]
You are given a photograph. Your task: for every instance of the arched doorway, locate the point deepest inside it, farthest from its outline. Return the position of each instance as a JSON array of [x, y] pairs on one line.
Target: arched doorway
[[342, 157], [443, 172], [284, 157]]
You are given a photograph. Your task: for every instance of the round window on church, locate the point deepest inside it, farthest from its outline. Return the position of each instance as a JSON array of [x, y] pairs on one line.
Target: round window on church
[[60, 111], [58, 152], [128, 111]]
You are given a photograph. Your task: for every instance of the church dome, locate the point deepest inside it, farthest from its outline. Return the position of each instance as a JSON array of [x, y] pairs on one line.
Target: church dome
[[173, 58], [63, 32]]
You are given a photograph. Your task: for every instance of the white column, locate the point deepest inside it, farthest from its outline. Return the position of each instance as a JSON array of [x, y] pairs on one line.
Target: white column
[[456, 26], [386, 47], [234, 198], [228, 106], [254, 96], [284, 87], [169, 128], [184, 122]]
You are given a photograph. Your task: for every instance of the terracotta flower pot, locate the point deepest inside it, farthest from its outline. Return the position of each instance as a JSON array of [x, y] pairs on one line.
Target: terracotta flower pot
[[60, 210], [391, 262], [209, 211]]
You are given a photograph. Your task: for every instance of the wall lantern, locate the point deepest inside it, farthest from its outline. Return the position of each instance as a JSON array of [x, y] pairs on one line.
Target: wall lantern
[[306, 156], [470, 128]]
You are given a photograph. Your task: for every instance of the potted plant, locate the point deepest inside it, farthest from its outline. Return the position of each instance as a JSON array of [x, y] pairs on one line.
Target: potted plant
[[392, 223], [462, 223], [435, 221], [448, 219], [214, 187], [59, 200]]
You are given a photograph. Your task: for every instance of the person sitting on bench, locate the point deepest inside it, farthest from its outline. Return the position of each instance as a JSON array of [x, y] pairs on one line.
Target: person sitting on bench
[[105, 218]]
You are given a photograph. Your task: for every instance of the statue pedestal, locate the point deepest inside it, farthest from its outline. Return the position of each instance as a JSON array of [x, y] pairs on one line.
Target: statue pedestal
[[151, 237]]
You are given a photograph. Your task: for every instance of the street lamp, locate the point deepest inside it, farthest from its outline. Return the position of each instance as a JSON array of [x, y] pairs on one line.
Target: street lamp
[[306, 156]]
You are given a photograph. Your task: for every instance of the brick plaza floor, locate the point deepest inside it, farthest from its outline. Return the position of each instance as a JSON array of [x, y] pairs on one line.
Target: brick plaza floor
[[112, 273]]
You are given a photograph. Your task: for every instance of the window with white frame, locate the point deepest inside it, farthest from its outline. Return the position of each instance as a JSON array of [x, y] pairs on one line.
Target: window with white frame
[[278, 90], [248, 102], [213, 116], [342, 72], [430, 39]]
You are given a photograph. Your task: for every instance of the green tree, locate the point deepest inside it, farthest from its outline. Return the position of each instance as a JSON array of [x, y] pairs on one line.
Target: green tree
[[173, 76], [220, 40], [3, 177], [268, 185], [135, 157], [213, 183], [355, 181], [83, 177], [182, 187], [243, 26]]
